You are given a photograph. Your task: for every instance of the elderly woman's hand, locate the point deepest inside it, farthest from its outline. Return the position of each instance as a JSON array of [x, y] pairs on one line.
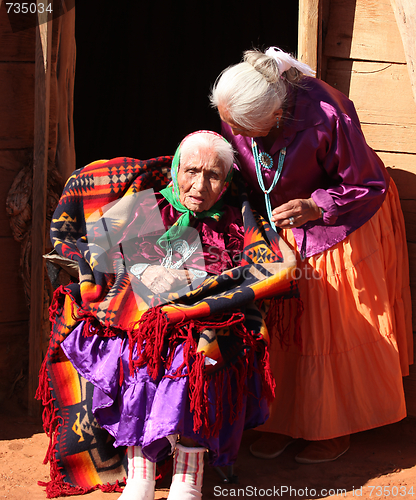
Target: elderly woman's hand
[[294, 213], [159, 279]]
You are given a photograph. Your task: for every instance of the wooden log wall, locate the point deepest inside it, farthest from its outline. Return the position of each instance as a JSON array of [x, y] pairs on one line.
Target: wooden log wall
[[17, 52], [363, 56], [17, 125]]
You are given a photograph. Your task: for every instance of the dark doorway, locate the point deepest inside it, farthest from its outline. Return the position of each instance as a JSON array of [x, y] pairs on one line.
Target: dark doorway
[[145, 68]]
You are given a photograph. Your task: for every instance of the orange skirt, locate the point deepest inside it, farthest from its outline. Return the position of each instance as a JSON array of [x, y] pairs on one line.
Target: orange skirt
[[356, 329]]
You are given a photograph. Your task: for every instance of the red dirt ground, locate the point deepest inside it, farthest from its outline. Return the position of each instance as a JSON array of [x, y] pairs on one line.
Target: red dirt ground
[[380, 464]]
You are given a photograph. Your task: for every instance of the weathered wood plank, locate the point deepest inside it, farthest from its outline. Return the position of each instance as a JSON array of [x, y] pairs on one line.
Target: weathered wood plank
[[308, 32], [13, 305], [363, 29], [65, 77], [381, 91], [401, 139], [405, 14], [382, 96], [61, 125], [40, 167], [18, 46]]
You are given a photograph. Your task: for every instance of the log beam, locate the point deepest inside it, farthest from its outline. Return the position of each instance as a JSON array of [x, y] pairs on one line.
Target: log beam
[[309, 33], [40, 167]]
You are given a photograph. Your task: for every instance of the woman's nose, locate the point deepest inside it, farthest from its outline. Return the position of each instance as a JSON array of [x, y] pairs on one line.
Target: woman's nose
[[199, 182]]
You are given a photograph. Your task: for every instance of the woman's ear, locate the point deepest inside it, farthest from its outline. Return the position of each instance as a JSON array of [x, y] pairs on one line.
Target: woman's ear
[[278, 113]]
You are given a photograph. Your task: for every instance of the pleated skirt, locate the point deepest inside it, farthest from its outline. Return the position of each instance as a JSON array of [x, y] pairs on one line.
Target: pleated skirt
[[356, 330]]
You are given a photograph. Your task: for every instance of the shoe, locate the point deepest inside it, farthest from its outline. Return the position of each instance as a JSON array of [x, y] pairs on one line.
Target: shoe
[[327, 450], [188, 473], [270, 445]]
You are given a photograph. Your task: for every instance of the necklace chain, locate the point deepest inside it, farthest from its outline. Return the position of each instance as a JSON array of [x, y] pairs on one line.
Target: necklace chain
[[276, 177]]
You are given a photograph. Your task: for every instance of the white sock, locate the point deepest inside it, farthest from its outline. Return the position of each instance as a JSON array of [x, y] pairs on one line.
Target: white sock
[[141, 476], [188, 472]]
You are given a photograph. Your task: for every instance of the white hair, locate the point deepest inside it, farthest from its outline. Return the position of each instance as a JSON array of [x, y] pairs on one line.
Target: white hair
[[222, 148], [252, 90]]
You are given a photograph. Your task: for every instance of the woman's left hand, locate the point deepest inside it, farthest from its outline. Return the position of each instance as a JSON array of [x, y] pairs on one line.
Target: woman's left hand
[[294, 213]]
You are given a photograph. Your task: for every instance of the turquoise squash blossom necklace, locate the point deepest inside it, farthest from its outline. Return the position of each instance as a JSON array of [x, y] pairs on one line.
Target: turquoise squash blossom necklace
[[266, 161]]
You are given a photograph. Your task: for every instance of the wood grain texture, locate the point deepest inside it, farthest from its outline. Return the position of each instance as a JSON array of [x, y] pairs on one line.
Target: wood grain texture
[[40, 166], [363, 29], [18, 46], [65, 80], [405, 14], [388, 138], [380, 91], [308, 32], [382, 96]]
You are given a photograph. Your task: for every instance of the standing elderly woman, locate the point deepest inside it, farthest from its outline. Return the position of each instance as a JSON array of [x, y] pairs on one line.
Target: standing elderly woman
[[311, 173], [148, 415]]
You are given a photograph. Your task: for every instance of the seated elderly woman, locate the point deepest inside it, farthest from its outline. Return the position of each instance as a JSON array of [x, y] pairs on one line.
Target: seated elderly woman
[[148, 409]]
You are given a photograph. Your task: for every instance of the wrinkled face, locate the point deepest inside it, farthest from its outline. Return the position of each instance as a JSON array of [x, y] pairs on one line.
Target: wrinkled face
[[238, 130], [201, 178]]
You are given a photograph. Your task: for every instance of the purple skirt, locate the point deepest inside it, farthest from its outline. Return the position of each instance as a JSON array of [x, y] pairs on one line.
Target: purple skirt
[[139, 410]]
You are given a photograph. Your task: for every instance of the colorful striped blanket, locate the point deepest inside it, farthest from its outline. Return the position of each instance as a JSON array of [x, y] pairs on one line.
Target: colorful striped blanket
[[232, 304]]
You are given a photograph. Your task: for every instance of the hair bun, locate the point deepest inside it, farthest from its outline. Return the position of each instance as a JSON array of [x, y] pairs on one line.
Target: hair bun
[[265, 65]]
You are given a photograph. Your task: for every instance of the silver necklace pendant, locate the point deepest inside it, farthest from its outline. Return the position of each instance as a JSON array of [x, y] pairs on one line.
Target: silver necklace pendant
[[266, 160]]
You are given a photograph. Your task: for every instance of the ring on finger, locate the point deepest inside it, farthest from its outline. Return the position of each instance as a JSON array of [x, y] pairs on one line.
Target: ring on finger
[[291, 221]]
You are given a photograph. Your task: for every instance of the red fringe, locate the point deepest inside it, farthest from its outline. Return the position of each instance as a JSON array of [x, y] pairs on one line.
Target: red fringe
[[148, 335], [59, 488], [268, 382], [110, 488], [280, 325]]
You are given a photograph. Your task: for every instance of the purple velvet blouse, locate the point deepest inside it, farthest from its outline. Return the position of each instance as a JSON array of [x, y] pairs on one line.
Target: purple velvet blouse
[[327, 158], [221, 241]]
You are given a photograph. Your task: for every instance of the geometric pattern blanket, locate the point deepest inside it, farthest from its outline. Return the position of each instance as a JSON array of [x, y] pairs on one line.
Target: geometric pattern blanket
[[98, 199]]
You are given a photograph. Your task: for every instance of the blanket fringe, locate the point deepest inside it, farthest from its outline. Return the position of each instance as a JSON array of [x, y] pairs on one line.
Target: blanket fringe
[[283, 318], [59, 488], [148, 347]]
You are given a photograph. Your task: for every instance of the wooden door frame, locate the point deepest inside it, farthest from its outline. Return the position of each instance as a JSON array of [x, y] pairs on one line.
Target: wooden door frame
[[310, 34]]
